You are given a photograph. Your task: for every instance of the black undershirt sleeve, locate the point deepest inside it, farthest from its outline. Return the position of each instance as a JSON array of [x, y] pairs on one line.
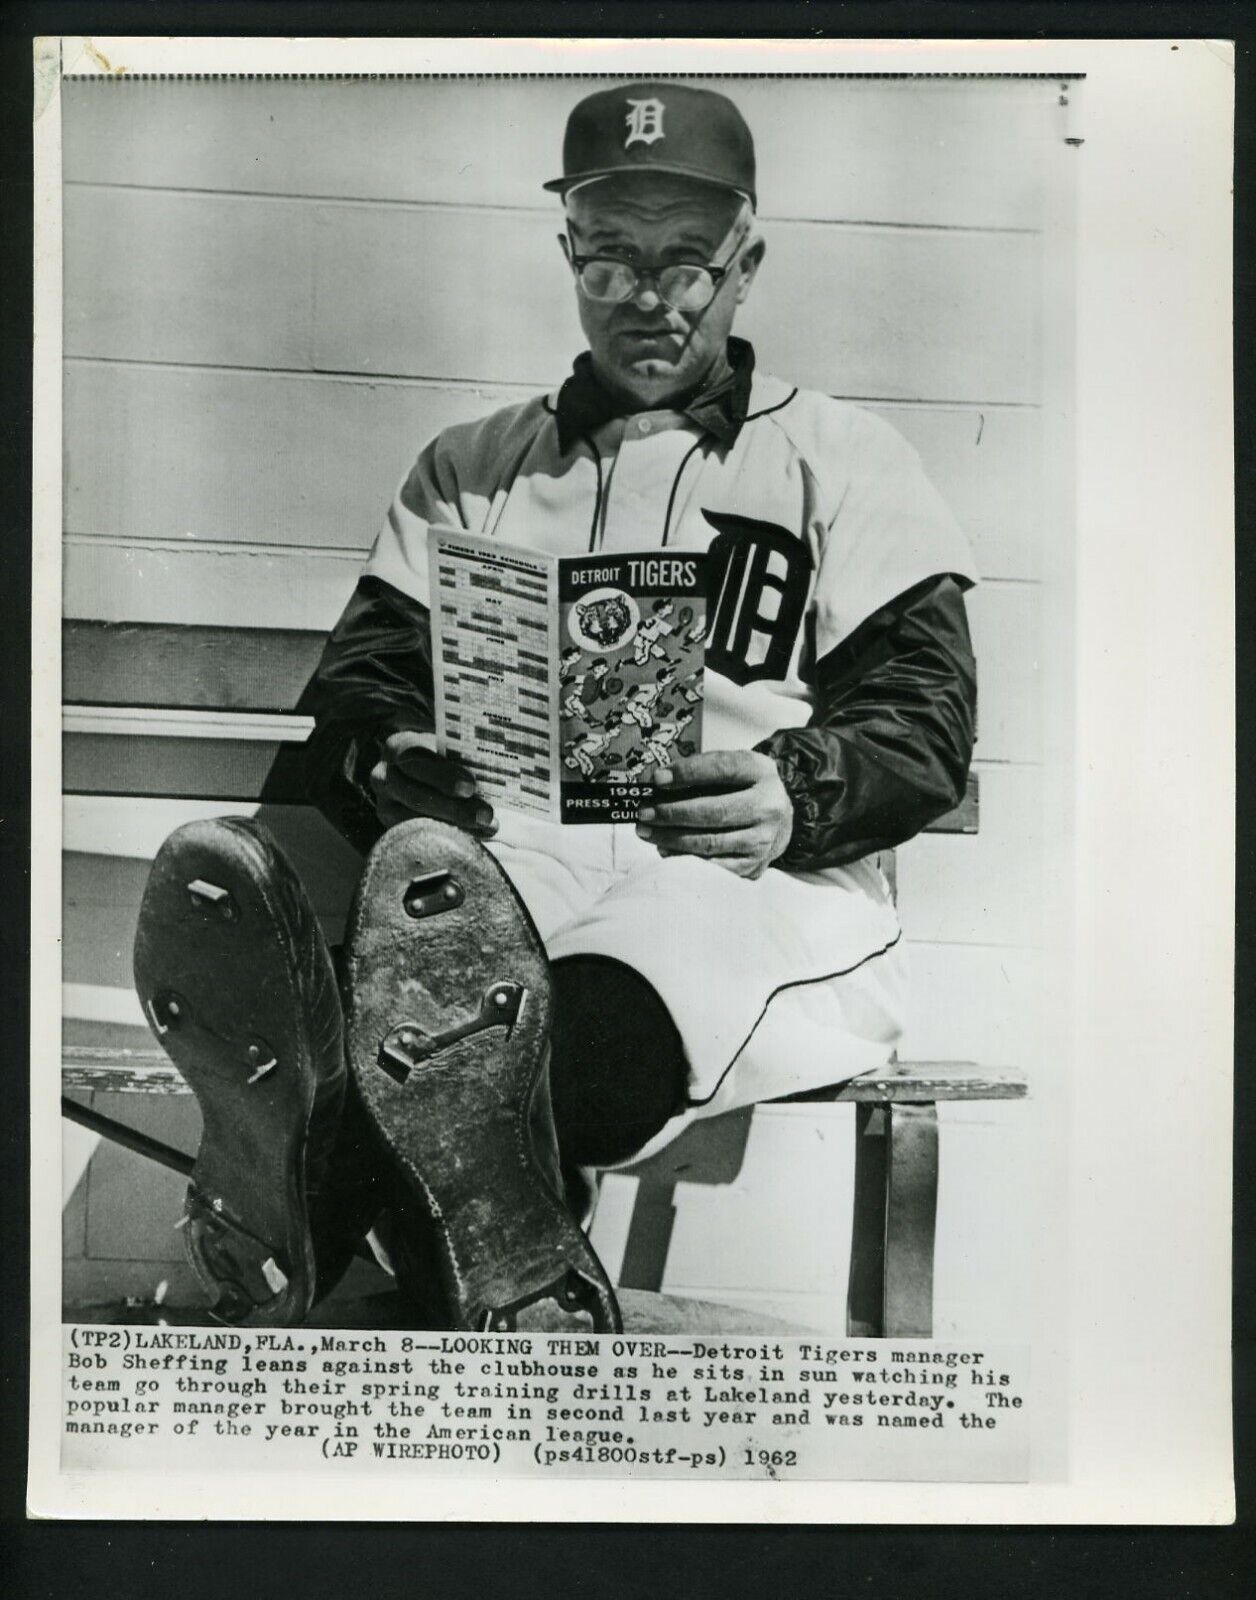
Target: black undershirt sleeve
[[890, 739], [375, 678]]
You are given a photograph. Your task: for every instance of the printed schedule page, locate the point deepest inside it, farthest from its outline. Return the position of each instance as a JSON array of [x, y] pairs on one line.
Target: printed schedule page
[[494, 610]]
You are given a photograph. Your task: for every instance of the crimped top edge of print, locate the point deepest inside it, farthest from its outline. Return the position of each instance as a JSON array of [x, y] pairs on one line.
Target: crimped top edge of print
[[79, 76]]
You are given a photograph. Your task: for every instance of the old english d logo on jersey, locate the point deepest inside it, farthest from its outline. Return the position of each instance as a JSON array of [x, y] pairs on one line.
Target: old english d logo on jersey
[[758, 576], [645, 121]]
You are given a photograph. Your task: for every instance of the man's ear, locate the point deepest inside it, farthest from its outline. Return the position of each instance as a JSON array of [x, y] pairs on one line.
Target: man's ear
[[748, 264]]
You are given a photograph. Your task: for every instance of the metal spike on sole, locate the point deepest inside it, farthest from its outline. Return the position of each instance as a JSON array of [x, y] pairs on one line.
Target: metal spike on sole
[[430, 893], [276, 1277], [206, 894], [262, 1058], [201, 890]]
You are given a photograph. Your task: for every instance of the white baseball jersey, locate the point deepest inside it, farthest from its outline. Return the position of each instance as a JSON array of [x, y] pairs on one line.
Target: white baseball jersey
[[816, 515]]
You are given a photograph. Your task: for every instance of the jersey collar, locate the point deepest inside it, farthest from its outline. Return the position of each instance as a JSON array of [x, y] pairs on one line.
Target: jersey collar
[[720, 408]]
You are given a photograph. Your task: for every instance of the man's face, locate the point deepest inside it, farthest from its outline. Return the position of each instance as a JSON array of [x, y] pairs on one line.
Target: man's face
[[642, 349]]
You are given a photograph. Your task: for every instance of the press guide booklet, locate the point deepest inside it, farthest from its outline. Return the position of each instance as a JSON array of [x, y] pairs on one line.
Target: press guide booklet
[[563, 682]]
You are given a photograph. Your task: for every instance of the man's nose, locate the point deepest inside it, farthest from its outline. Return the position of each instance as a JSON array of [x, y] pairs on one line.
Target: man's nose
[[646, 297]]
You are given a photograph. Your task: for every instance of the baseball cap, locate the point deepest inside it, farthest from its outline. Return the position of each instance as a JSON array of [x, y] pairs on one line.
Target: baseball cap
[[658, 127]]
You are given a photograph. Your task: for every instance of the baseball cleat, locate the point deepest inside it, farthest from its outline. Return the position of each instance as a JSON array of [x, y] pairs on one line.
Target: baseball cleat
[[237, 983], [448, 1037]]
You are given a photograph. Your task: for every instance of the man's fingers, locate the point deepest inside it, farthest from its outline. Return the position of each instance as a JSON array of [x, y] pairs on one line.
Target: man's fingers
[[392, 813], [397, 744], [740, 767], [469, 815], [395, 790], [437, 771], [702, 813]]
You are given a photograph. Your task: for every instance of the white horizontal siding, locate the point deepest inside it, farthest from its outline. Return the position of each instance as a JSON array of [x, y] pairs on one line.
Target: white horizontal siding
[[228, 585], [985, 890], [906, 314], [933, 152], [287, 458]]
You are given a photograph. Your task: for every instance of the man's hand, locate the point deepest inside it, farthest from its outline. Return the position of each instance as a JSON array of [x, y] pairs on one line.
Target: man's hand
[[413, 780], [744, 826]]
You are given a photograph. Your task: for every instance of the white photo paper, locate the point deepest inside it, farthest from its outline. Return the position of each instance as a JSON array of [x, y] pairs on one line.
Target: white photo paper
[[785, 1072]]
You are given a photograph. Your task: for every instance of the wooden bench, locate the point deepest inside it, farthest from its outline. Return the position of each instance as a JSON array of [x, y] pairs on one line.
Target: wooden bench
[[214, 714], [890, 1285]]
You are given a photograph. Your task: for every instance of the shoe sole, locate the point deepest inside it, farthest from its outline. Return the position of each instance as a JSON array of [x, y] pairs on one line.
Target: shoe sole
[[217, 983], [440, 949]]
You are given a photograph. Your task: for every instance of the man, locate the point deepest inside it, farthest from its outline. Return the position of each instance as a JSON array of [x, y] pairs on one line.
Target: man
[[526, 999], [643, 701], [580, 751], [584, 689], [660, 739], [655, 628]]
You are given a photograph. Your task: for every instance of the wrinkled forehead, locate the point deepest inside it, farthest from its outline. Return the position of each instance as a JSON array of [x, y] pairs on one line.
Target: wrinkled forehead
[[648, 201]]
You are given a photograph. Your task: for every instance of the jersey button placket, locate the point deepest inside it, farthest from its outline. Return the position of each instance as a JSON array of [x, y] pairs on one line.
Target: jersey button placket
[[637, 501]]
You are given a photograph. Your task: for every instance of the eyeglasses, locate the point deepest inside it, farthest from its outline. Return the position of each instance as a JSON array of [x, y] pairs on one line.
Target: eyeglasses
[[684, 286]]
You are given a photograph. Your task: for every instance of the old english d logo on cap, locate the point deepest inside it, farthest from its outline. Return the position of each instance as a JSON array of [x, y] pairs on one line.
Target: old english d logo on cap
[[659, 127], [645, 121]]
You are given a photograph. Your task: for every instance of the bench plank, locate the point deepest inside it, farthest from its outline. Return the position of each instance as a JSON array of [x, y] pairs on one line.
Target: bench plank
[[907, 1081], [116, 1071], [183, 769], [186, 666], [122, 1071]]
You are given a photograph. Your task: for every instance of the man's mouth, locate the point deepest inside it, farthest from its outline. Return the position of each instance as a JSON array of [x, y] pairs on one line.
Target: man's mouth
[[649, 335]]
